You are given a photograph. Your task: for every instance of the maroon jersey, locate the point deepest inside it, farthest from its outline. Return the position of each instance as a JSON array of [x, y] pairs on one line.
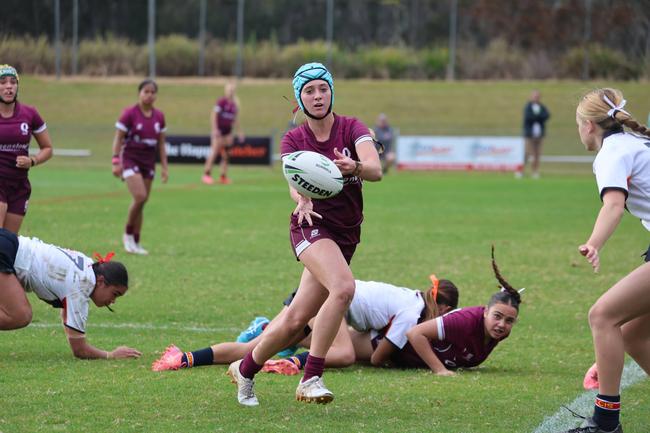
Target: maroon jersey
[[226, 110], [15, 134], [461, 341], [344, 210], [142, 132]]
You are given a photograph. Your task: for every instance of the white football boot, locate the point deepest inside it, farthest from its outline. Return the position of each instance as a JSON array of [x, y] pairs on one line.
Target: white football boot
[[313, 390], [129, 244], [140, 250], [245, 387]]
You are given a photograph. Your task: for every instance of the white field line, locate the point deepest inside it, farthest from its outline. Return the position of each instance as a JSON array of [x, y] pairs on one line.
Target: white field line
[[562, 420], [143, 326]]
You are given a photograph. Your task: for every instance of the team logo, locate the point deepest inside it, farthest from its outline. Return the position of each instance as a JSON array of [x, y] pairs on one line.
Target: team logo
[[347, 152], [314, 233], [24, 128]]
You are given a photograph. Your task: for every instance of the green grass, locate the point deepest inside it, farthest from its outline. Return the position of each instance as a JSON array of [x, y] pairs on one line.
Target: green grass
[[83, 114], [220, 256]]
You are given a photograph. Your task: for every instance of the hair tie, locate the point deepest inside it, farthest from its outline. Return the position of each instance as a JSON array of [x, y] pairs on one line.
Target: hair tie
[[435, 283], [520, 291], [104, 259], [615, 108]]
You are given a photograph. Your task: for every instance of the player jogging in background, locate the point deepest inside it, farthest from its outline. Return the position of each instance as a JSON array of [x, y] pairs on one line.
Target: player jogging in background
[[620, 318], [18, 122], [139, 136], [379, 317], [324, 235], [63, 278], [465, 337], [223, 122]]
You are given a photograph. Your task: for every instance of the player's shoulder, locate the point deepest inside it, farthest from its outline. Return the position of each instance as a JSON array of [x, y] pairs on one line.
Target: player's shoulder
[[25, 110]]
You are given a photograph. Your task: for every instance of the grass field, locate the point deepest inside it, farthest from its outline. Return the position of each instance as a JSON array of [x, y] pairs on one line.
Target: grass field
[[220, 256]]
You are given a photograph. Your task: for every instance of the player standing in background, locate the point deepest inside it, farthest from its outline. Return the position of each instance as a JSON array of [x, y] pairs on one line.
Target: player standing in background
[[64, 279], [620, 318], [140, 134], [535, 117], [18, 122], [324, 235], [223, 120], [385, 134]]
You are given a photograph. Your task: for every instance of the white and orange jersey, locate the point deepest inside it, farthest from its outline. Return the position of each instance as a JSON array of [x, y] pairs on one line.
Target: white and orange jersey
[[62, 278], [623, 163], [383, 307]]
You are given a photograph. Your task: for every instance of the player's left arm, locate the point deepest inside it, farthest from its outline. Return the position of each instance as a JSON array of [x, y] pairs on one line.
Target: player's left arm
[[368, 167], [163, 157], [381, 356], [84, 350], [44, 153]]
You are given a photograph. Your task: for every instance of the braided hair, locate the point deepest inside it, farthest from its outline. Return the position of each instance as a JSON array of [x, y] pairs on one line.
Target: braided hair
[[507, 295], [594, 106]]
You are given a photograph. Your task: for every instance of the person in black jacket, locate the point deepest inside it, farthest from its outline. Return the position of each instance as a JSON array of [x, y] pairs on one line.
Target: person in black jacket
[[535, 117]]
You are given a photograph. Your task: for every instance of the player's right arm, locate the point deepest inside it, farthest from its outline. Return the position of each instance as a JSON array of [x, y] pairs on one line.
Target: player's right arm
[[419, 337], [83, 350], [118, 142]]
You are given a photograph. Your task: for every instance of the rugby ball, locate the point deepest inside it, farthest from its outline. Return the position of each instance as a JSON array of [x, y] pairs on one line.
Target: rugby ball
[[312, 174]]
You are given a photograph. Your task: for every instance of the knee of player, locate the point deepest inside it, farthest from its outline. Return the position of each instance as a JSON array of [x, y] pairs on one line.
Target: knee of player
[[20, 318], [599, 316], [344, 291], [140, 198]]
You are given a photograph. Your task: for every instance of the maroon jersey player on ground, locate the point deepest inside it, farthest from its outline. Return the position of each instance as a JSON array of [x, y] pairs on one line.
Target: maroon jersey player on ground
[[140, 134], [323, 233], [463, 338], [18, 122], [223, 121]]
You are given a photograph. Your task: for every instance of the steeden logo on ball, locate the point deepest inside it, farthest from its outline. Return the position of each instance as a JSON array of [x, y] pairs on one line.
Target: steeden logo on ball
[[312, 174]]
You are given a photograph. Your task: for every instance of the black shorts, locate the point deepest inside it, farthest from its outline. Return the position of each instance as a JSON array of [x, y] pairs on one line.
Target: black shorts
[[646, 255], [289, 299], [8, 250]]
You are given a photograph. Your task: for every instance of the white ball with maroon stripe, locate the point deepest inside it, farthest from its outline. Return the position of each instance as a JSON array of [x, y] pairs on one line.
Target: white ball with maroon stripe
[[312, 174]]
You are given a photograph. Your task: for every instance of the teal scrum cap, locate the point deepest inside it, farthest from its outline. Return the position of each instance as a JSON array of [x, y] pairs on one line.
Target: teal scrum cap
[[310, 72]]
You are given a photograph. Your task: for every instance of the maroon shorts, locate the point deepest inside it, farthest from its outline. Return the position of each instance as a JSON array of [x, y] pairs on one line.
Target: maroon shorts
[[225, 130], [133, 164], [303, 236], [15, 192]]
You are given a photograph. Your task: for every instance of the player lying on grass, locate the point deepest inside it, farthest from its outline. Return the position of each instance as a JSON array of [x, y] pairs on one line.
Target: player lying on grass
[[465, 337], [377, 309], [64, 279]]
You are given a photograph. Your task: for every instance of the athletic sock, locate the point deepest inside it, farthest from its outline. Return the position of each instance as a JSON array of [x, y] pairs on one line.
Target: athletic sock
[[300, 359], [136, 237], [248, 367], [313, 367], [198, 358], [607, 409], [128, 230]]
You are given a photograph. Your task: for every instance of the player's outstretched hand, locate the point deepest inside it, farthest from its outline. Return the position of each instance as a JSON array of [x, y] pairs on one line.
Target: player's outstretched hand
[[591, 254], [305, 210], [344, 163], [117, 170], [123, 352], [445, 372]]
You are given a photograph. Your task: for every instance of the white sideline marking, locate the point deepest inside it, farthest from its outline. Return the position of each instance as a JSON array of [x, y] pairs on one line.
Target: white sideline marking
[[145, 326], [562, 420]]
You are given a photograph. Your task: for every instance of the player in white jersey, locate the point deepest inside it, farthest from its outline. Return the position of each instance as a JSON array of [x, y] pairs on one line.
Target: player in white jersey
[[620, 318], [63, 278], [379, 317]]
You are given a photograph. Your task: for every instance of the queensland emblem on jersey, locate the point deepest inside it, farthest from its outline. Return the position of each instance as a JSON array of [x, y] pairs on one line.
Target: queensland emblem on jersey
[[312, 174]]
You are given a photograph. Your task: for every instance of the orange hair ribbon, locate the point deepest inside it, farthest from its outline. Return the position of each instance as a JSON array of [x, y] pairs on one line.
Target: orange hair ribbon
[[104, 259], [435, 283]]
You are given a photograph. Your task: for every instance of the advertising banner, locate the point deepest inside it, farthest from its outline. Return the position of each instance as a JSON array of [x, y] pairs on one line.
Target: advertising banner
[[194, 149], [460, 153]]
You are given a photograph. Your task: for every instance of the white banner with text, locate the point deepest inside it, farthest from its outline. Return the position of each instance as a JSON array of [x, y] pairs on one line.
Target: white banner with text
[[460, 153]]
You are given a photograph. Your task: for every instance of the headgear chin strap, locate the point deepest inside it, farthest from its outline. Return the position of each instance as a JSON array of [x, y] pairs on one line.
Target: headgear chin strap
[[310, 72], [9, 71]]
